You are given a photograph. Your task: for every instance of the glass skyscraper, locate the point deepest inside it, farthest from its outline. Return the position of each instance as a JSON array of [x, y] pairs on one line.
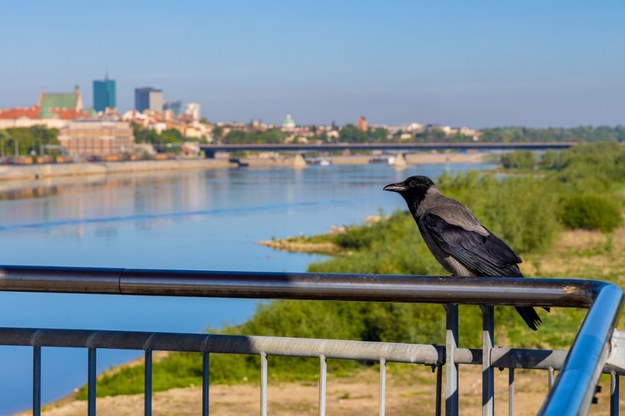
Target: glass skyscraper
[[104, 94], [148, 98]]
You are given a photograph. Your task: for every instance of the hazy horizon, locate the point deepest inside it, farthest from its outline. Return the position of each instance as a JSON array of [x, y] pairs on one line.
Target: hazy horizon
[[478, 65]]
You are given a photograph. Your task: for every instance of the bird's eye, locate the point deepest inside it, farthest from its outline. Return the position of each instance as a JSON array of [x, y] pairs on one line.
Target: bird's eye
[[413, 184]]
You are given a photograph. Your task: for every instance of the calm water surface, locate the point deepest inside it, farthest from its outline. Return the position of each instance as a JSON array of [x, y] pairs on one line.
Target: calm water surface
[[209, 220]]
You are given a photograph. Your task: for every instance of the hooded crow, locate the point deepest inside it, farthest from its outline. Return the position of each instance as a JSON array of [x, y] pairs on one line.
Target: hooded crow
[[456, 238]]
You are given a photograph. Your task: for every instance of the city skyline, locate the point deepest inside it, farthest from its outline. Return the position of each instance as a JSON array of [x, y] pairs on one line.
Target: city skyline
[[481, 64]]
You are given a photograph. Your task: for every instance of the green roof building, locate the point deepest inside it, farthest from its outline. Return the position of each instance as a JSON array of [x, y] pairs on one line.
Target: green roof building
[[288, 123], [50, 105]]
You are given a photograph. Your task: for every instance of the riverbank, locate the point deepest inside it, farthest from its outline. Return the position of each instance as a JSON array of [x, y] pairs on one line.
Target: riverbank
[[35, 172], [275, 159]]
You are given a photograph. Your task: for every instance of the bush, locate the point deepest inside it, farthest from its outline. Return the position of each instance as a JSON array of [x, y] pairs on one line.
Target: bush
[[591, 212], [597, 167], [518, 160], [522, 211]]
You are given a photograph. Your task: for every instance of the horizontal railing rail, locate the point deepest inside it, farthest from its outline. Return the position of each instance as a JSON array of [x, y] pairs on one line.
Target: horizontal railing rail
[[327, 286], [426, 354], [572, 392]]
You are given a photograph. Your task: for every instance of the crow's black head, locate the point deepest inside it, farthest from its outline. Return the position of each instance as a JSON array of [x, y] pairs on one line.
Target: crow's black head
[[412, 189], [414, 185]]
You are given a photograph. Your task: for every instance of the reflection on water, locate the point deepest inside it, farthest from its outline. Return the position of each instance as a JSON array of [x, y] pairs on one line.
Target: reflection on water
[[97, 197], [174, 220]]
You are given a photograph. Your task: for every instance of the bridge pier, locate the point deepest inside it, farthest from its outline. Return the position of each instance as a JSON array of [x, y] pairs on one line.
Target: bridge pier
[[299, 162], [400, 161]]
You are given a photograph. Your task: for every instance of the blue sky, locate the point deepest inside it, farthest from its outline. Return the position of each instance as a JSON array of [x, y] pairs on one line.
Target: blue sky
[[470, 63]]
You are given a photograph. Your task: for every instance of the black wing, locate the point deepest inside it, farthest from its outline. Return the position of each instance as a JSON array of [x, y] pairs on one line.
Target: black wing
[[483, 255]]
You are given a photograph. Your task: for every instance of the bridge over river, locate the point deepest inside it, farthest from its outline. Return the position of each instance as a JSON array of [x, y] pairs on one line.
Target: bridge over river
[[210, 149]]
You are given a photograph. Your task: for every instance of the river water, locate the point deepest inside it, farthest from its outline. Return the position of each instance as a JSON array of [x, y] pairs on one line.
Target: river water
[[209, 220]]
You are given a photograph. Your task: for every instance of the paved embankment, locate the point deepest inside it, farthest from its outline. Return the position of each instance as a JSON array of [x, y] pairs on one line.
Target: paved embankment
[[13, 172]]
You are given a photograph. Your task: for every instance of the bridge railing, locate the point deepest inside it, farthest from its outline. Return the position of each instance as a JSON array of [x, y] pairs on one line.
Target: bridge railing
[[210, 149], [598, 347]]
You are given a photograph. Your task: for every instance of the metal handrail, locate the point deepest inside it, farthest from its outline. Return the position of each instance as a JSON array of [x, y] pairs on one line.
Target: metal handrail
[[313, 286], [574, 386]]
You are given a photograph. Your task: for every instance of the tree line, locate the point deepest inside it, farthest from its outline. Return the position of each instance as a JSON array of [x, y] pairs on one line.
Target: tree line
[[554, 134], [27, 141], [351, 134], [33, 140]]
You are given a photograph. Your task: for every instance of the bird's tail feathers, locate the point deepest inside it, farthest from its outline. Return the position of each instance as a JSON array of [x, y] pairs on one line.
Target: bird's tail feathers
[[530, 317], [529, 314]]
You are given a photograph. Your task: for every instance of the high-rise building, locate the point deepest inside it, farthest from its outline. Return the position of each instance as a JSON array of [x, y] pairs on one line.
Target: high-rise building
[[104, 94], [174, 106], [148, 98]]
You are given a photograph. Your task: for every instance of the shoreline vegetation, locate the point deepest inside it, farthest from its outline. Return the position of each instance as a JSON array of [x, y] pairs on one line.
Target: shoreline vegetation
[[328, 243], [562, 211]]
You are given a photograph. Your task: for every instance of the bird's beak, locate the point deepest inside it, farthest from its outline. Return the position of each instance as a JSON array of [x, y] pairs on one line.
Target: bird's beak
[[395, 187]]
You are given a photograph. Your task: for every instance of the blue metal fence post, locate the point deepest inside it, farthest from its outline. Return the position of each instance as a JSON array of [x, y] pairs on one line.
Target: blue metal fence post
[[36, 380], [488, 373], [148, 383], [91, 382], [205, 383]]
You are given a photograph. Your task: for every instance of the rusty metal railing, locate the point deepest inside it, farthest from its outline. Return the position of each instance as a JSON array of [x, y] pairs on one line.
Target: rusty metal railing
[[597, 348]]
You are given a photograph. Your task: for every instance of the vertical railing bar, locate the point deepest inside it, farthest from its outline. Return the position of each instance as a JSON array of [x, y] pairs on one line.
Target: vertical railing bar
[[382, 405], [550, 377], [147, 397], [439, 387], [205, 383], [614, 394], [511, 392], [488, 373], [451, 367], [263, 384], [91, 381], [323, 373], [36, 380]]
